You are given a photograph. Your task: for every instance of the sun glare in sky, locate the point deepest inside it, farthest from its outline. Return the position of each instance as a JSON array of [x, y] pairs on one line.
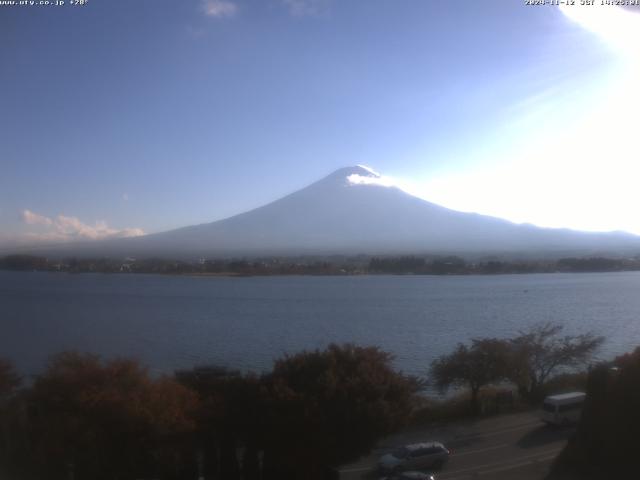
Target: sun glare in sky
[[576, 163], [616, 26]]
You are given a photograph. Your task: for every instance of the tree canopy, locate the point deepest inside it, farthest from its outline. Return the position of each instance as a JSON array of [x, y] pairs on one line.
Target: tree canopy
[[528, 360], [348, 396], [606, 442], [9, 379], [541, 351], [230, 417], [105, 420], [484, 362]]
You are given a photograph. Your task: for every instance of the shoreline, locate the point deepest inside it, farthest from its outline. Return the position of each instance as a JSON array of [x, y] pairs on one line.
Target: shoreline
[[310, 274]]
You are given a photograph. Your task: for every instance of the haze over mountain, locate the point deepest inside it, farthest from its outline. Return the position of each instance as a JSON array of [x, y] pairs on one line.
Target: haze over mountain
[[352, 211]]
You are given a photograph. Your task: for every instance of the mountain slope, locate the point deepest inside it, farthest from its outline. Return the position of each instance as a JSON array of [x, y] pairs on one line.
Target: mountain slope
[[350, 212], [347, 212]]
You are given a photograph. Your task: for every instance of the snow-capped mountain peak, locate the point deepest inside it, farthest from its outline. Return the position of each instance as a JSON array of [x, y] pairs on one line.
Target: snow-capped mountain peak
[[357, 210]]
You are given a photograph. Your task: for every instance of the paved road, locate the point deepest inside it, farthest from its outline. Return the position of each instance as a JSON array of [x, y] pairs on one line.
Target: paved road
[[504, 447]]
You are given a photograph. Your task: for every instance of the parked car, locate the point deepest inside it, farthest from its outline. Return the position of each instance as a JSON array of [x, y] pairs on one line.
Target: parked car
[[410, 476], [417, 456]]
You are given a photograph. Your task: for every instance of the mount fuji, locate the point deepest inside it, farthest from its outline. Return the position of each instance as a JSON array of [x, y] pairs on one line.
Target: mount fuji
[[353, 211]]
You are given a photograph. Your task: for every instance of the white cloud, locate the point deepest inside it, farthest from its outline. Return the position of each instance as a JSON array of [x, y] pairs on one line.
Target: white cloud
[[31, 218], [356, 179], [374, 178], [63, 228], [305, 7], [228, 8], [219, 8]]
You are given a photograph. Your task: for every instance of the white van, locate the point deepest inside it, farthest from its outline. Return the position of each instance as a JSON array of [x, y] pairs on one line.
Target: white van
[[563, 409]]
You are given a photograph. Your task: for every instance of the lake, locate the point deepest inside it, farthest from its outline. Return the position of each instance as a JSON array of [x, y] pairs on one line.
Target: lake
[[172, 322]]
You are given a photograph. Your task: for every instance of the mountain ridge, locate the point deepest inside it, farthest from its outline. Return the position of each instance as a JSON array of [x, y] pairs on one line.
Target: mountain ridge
[[352, 210]]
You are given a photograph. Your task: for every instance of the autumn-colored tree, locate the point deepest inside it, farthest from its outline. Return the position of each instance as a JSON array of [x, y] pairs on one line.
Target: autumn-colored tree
[[325, 408], [104, 420], [9, 379], [229, 420], [541, 351], [9, 382], [484, 362]]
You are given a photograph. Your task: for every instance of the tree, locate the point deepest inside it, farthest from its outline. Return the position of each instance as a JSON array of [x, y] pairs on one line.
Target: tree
[[605, 444], [105, 420], [9, 382], [9, 379], [325, 408], [23, 262], [484, 362], [538, 353], [229, 418]]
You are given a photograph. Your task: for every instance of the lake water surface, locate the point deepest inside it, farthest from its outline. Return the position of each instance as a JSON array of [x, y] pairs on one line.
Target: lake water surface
[[172, 322]]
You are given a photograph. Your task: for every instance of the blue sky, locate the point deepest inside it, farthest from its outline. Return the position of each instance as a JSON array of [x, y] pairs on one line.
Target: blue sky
[[121, 117]]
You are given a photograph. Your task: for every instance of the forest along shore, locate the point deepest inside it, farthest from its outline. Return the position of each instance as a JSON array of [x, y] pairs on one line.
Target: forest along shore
[[314, 265]]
